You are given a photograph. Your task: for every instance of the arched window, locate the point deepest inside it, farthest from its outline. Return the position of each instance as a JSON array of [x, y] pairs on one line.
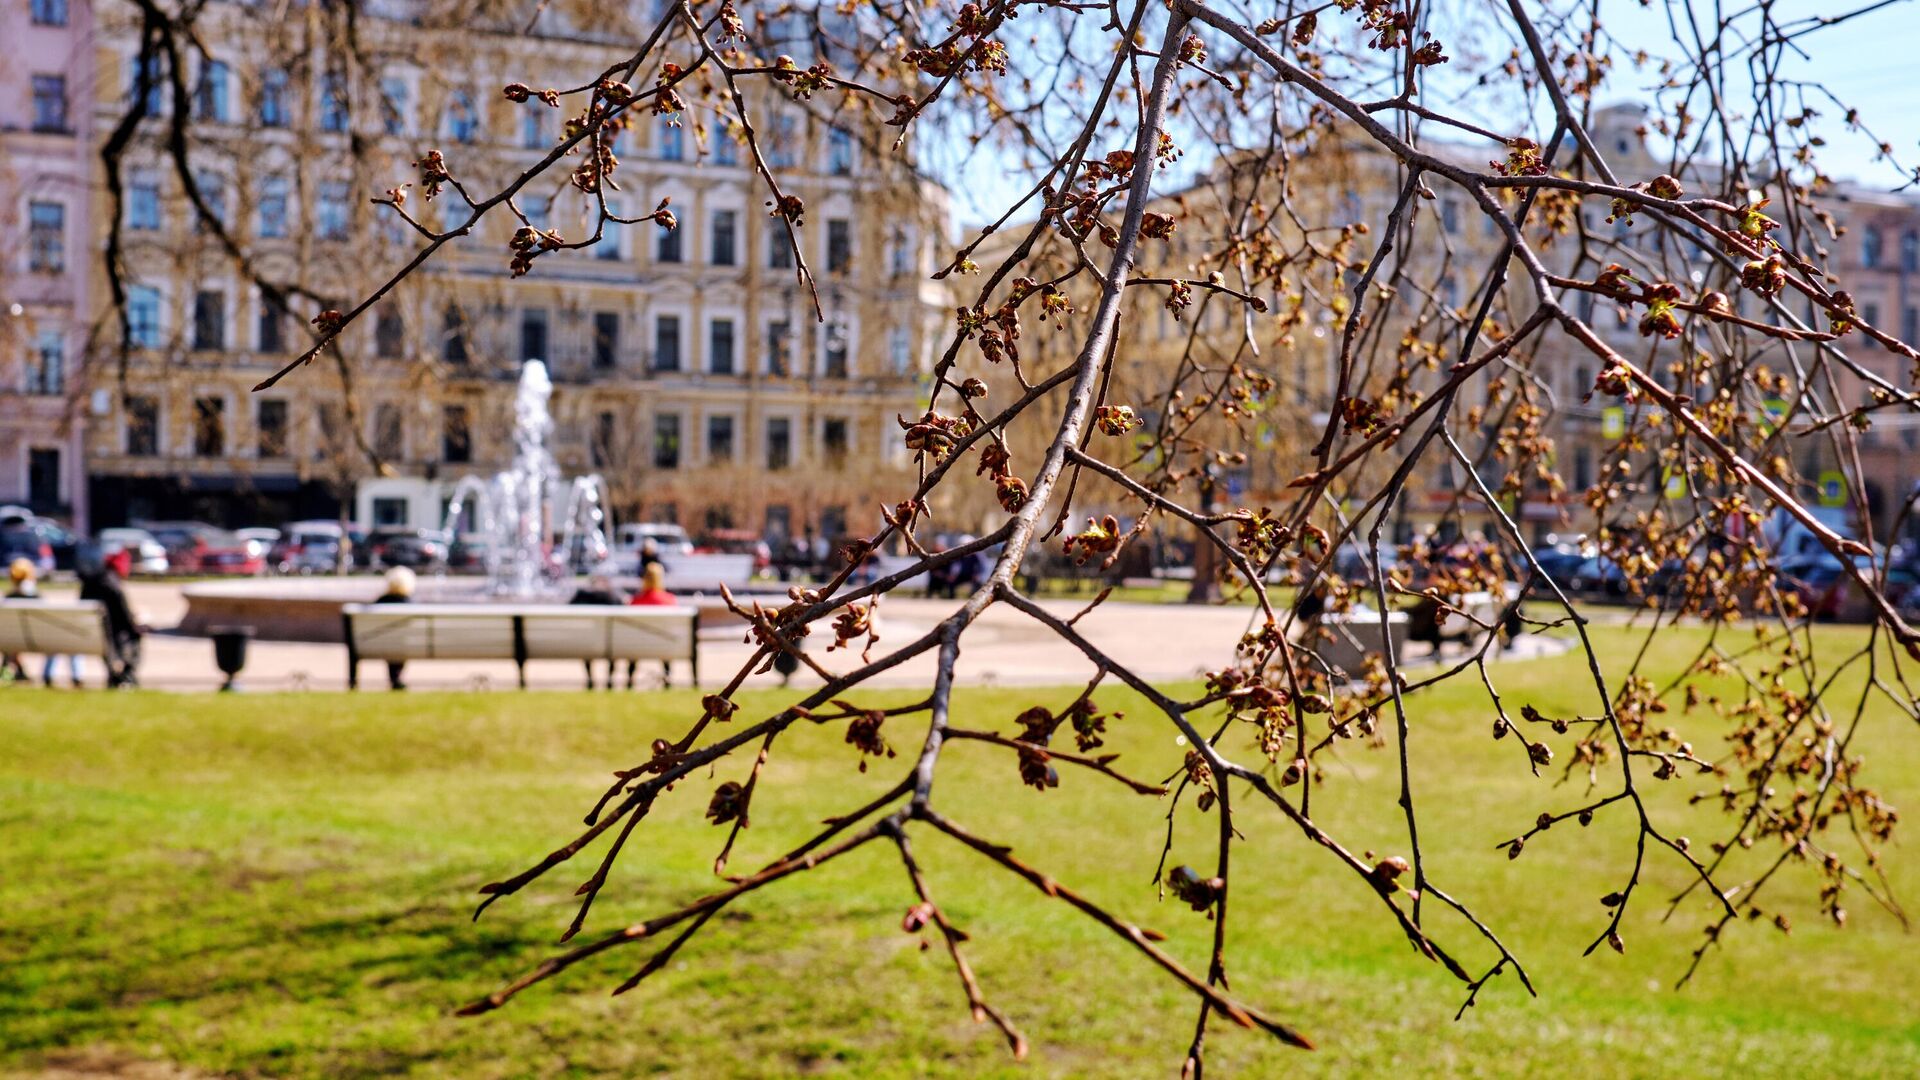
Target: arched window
[[1870, 247]]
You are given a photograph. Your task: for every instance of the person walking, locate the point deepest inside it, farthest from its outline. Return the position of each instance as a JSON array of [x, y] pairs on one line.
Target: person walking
[[400, 583], [652, 593], [599, 589]]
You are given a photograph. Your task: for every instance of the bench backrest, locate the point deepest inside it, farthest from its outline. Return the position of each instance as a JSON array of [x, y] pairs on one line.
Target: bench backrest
[[520, 632], [53, 627]]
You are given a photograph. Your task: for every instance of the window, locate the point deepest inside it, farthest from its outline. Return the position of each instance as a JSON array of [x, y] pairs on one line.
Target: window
[[463, 122], [334, 112], [393, 105], [273, 98], [209, 427], [149, 77], [666, 343], [723, 227], [606, 339], [213, 192], [1582, 468], [1450, 216], [608, 247], [272, 335], [453, 325], [604, 429], [50, 103], [1910, 251], [331, 214], [143, 317], [899, 350], [47, 373], [533, 334], [726, 149], [209, 320], [835, 365], [839, 245], [673, 139], [1871, 247], [533, 129], [47, 237], [781, 142], [456, 435], [389, 438], [142, 426], [270, 428], [1910, 324], [779, 443], [779, 249], [719, 439], [50, 12], [900, 252], [833, 442], [389, 333], [668, 249], [143, 202], [539, 211], [666, 441], [272, 210], [720, 346], [778, 334], [210, 96], [839, 152]]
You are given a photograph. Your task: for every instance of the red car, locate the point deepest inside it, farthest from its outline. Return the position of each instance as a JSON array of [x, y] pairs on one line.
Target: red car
[[197, 548]]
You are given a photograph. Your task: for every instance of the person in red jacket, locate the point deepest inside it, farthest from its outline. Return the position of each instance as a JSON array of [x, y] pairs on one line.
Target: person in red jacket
[[652, 593]]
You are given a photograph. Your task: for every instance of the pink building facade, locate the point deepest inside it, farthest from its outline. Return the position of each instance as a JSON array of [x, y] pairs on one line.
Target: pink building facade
[[46, 237]]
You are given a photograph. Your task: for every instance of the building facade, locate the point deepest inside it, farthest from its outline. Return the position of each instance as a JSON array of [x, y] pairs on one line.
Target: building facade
[[46, 155], [691, 366]]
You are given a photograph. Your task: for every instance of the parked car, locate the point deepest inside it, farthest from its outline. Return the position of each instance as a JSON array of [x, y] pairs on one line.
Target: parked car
[[467, 553], [1829, 592], [668, 539], [21, 540], [194, 547], [737, 542], [1599, 575], [307, 547], [145, 555], [260, 540], [418, 549], [57, 538]]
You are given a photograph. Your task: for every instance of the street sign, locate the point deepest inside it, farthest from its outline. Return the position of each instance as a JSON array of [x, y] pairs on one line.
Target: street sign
[[1773, 412], [1676, 480], [1833, 488], [1613, 422]]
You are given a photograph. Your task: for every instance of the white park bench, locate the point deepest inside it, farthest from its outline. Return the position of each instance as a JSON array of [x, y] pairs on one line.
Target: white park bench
[[54, 627], [518, 632]]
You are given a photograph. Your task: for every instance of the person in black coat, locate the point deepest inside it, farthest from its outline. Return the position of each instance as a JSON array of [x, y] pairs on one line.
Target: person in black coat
[[98, 582], [400, 583]]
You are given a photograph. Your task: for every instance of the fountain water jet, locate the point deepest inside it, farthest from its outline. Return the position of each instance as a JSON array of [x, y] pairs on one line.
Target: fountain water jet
[[528, 548]]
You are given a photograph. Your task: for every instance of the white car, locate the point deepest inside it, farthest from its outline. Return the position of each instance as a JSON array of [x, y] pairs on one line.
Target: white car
[[149, 555], [667, 540]]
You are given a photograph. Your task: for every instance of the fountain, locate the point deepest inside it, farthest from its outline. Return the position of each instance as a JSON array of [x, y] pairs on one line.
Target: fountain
[[528, 549], [534, 527]]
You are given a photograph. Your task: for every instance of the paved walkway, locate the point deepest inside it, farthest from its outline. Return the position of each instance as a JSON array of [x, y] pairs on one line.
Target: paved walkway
[[1004, 648]]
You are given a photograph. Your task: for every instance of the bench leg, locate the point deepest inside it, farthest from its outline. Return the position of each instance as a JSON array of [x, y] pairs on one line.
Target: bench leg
[[521, 667]]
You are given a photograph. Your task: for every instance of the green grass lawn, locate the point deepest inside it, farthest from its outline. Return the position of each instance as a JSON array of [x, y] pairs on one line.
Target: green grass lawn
[[280, 885]]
